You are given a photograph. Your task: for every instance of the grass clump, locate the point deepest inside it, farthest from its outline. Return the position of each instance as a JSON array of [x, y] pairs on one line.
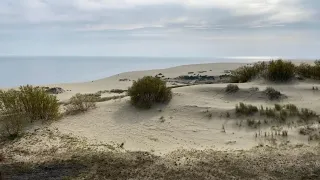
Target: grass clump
[[81, 103], [232, 88], [246, 109], [272, 94], [149, 90]]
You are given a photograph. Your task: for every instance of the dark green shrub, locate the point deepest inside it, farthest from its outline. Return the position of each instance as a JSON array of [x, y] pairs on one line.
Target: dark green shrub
[[118, 91], [304, 70], [246, 109], [283, 115], [232, 88], [149, 90], [277, 107], [280, 71], [81, 103], [247, 73], [307, 114], [270, 112], [272, 94], [293, 109]]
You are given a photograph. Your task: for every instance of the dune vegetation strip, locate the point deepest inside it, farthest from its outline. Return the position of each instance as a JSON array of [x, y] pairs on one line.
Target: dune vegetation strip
[[259, 163], [276, 71]]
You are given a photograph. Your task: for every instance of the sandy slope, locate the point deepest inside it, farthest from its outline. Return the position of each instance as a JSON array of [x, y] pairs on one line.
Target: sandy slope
[[185, 121]]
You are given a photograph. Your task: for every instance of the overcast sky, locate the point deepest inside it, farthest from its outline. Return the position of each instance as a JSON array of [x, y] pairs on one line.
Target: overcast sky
[[194, 28]]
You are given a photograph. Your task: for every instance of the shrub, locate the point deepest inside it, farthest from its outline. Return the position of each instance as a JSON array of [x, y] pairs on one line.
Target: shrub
[[283, 115], [270, 112], [232, 88], [81, 103], [33, 102], [293, 110], [246, 109], [38, 104], [280, 71], [272, 94], [307, 114], [20, 107], [149, 90], [277, 107], [118, 91], [307, 130], [247, 73]]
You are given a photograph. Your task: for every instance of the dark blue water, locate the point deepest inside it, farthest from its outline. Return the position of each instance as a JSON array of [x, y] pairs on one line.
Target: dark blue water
[[16, 71]]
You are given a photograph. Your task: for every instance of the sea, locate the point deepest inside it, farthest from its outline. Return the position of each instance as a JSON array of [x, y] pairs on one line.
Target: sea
[[19, 70]]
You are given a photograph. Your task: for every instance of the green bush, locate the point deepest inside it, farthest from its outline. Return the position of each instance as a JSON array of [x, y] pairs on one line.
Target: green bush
[[293, 109], [149, 90], [272, 94], [280, 71], [277, 107], [38, 104], [232, 88], [307, 114], [247, 73], [81, 103], [246, 109], [23, 106], [31, 101]]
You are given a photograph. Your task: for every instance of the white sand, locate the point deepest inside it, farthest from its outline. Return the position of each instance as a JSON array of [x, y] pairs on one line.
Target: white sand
[[186, 122]]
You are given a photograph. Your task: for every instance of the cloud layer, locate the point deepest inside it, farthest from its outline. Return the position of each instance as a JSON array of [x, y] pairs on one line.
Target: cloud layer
[[156, 20]]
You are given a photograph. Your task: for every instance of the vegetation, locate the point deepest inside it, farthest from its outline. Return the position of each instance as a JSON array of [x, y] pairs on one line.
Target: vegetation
[[272, 94], [277, 107], [149, 90], [280, 71], [81, 103], [118, 91], [246, 109], [276, 71], [247, 73], [26, 105], [307, 114], [232, 88]]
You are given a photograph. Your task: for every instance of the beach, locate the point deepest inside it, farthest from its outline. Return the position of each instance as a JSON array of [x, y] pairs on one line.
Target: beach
[[200, 118]]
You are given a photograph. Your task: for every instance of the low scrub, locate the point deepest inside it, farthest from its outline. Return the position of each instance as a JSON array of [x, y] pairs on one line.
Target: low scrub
[[280, 71], [272, 94], [26, 105], [149, 90], [232, 88], [276, 71], [118, 91], [246, 109], [247, 73], [307, 114], [81, 103]]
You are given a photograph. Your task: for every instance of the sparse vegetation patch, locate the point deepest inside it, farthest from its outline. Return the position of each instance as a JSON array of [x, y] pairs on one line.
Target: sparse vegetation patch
[[232, 88]]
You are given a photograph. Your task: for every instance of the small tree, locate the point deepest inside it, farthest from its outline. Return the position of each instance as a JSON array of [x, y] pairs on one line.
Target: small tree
[[149, 90]]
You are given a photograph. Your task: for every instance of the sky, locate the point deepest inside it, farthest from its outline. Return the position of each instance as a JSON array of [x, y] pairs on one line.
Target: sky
[[166, 28]]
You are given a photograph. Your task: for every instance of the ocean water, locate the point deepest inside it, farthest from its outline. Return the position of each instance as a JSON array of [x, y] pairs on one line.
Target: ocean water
[[17, 71]]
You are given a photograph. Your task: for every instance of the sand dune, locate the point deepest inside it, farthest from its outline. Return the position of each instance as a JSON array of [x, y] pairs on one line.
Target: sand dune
[[184, 122]]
